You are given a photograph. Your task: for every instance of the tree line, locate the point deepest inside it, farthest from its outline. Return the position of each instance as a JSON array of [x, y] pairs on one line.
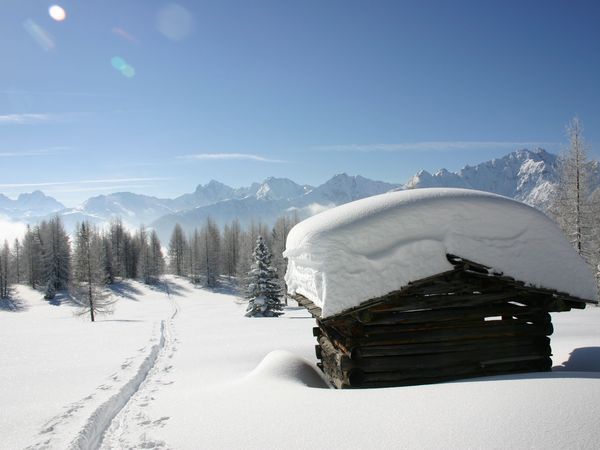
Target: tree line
[[47, 259], [209, 252]]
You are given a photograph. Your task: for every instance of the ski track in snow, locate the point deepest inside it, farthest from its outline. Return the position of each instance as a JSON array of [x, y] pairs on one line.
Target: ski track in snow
[[107, 424], [131, 414]]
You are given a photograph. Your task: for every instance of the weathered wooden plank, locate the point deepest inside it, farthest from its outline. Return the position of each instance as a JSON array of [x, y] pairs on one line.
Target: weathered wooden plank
[[483, 356], [491, 329], [359, 330], [370, 317], [445, 346], [529, 366], [331, 363], [432, 302], [358, 378]]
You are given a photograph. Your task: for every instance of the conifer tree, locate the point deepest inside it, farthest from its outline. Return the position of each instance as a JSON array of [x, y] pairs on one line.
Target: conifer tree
[[132, 255], [210, 248], [32, 253], [157, 261], [88, 273], [117, 236], [107, 260], [231, 248], [571, 207], [177, 251], [56, 256], [4, 271], [263, 290], [17, 261], [144, 255], [195, 256]]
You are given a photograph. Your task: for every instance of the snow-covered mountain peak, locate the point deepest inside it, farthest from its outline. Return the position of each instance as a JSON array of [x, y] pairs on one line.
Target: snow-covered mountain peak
[[343, 188], [279, 188], [215, 187], [31, 204], [526, 175]]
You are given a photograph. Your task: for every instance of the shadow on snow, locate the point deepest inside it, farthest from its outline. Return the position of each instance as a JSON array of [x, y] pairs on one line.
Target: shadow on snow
[[584, 359], [125, 290], [12, 304]]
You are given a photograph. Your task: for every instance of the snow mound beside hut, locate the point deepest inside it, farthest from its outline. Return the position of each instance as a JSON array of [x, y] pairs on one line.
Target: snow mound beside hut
[[368, 248], [286, 367]]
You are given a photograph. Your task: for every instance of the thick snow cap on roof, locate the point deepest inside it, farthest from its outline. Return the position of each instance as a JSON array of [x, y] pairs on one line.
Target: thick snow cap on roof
[[368, 248]]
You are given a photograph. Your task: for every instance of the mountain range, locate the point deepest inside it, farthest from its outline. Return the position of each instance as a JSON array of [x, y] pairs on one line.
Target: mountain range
[[528, 176]]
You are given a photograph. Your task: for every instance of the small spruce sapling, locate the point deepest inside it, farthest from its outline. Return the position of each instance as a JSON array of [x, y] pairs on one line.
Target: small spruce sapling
[[263, 290]]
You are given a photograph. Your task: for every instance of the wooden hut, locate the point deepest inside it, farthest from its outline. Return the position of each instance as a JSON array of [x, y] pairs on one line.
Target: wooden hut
[[467, 321]]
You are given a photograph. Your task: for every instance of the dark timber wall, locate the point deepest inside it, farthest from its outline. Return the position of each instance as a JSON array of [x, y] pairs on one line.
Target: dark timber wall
[[467, 322]]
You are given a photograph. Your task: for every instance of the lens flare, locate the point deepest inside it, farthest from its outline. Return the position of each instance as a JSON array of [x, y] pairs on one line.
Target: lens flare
[[57, 13], [39, 35], [121, 65], [128, 71], [125, 35], [118, 63], [175, 22]]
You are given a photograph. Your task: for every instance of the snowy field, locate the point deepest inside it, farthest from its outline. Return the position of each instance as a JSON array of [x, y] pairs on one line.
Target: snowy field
[[180, 367]]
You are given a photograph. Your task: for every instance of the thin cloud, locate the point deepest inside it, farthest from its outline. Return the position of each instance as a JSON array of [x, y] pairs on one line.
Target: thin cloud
[[18, 92], [39, 118], [97, 188], [80, 182], [432, 146], [29, 153], [230, 156], [26, 119]]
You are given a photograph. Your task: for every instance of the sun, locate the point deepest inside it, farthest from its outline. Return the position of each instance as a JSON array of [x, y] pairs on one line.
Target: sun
[[57, 13]]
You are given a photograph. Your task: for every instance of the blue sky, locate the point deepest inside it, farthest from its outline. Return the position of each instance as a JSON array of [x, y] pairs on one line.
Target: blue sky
[[156, 97]]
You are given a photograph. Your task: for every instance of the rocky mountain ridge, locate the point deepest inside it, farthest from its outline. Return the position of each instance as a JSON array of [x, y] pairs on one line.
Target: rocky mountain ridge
[[528, 176]]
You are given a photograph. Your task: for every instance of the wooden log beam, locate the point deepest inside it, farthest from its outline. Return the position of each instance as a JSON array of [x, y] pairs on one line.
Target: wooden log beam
[[358, 378], [386, 317], [483, 356], [445, 346], [489, 330]]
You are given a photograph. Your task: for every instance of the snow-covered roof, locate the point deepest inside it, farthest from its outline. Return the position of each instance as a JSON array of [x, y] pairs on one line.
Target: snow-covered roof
[[368, 248]]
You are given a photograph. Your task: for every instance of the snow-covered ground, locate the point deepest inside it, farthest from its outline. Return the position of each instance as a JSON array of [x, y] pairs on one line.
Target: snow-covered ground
[[183, 368]]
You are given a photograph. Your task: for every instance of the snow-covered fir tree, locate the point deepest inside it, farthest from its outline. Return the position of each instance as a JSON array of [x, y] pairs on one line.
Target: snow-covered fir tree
[[263, 290], [247, 243]]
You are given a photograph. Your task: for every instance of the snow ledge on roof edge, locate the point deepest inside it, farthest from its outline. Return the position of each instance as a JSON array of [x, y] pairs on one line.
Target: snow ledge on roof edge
[[366, 249]]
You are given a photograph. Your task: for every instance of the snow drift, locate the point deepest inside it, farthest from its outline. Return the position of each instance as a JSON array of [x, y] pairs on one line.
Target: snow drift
[[371, 247], [284, 366]]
